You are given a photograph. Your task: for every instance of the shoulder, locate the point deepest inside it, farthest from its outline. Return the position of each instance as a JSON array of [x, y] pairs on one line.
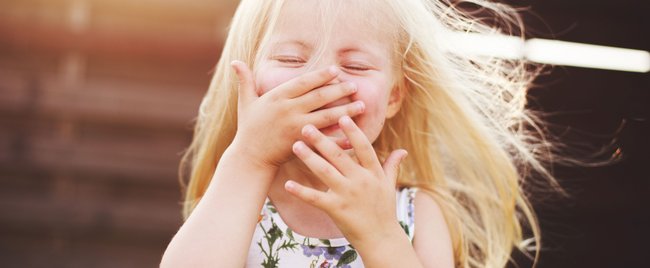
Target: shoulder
[[432, 240]]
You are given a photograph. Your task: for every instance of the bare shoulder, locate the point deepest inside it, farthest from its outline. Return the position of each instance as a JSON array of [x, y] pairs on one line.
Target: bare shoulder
[[432, 239]]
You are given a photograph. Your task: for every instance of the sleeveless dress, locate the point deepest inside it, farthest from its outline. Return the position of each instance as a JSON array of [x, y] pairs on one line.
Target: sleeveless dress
[[275, 245]]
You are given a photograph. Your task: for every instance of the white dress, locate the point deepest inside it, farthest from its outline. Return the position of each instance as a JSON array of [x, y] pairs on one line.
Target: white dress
[[275, 245]]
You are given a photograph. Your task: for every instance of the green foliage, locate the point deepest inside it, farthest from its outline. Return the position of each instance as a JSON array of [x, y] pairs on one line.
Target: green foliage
[[271, 236], [347, 257]]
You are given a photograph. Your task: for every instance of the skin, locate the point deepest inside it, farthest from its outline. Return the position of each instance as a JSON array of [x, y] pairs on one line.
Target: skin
[[321, 170]]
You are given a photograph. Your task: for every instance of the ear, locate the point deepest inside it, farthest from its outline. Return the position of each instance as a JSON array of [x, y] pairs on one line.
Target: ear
[[394, 101]]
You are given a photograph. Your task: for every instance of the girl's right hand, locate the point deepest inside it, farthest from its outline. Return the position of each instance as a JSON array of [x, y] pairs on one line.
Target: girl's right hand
[[268, 125]]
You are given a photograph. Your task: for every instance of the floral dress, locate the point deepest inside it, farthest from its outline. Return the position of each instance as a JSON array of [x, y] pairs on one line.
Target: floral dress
[[275, 245]]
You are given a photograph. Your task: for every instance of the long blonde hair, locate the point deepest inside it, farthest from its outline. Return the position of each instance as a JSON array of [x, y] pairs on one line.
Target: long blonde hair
[[463, 121]]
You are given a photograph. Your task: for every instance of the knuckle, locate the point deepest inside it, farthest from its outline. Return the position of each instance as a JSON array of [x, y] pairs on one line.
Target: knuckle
[[273, 96], [329, 117], [320, 94], [368, 148], [343, 206], [364, 183], [285, 105], [302, 83], [339, 155], [294, 130], [325, 171], [313, 198], [324, 74]]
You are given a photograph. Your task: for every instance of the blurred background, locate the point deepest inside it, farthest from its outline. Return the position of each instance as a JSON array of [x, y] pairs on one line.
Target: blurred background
[[97, 99]]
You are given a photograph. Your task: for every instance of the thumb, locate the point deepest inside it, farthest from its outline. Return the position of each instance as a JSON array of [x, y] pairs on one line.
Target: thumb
[[392, 163], [247, 91]]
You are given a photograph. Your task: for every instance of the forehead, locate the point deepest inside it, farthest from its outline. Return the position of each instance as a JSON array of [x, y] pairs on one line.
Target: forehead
[[337, 22]]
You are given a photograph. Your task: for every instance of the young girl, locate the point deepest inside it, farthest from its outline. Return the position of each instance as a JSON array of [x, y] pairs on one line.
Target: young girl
[[299, 160]]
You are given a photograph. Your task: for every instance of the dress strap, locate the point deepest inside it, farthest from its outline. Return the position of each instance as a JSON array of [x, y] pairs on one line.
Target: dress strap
[[406, 210]]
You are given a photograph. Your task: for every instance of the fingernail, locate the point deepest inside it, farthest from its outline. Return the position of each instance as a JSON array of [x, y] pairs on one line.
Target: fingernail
[[333, 70], [360, 106], [352, 87], [297, 146], [345, 120], [290, 185], [234, 66]]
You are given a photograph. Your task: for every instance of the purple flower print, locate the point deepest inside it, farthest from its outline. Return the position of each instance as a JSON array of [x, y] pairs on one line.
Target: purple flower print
[[333, 253], [311, 251]]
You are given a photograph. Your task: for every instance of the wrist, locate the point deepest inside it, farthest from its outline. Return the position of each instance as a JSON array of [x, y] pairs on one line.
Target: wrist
[[239, 169], [386, 235], [377, 249], [249, 155]]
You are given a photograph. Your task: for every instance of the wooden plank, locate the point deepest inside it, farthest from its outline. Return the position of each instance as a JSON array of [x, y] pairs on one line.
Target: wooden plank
[[183, 46], [17, 63], [102, 99], [91, 215], [145, 159]]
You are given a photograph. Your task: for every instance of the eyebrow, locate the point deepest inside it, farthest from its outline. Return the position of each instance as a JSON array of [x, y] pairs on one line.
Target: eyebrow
[[343, 51], [347, 49], [294, 42]]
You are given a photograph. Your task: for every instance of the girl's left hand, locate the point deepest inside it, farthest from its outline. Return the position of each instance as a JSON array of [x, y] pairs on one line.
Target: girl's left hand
[[361, 195]]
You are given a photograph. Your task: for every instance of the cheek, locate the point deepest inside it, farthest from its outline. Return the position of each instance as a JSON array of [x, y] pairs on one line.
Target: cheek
[[267, 79], [376, 99], [374, 96]]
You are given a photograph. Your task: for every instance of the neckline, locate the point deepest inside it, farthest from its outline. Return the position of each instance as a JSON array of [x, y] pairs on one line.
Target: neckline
[[300, 238]]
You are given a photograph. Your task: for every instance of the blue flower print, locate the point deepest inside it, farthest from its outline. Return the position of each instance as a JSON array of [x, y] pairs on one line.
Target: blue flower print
[[333, 253], [311, 251]]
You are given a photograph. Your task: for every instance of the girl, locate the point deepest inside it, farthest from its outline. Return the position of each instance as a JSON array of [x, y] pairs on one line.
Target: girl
[[294, 162]]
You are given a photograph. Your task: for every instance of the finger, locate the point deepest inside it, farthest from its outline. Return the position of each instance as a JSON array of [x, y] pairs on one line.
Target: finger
[[321, 96], [310, 196], [362, 147], [330, 116], [319, 166], [305, 83], [246, 90], [392, 163], [330, 150]]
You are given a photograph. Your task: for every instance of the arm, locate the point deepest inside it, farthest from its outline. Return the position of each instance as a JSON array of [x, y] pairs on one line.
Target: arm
[[432, 246], [220, 228], [432, 241]]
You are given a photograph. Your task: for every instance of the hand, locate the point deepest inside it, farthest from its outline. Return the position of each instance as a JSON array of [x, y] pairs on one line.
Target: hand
[[361, 195], [267, 125]]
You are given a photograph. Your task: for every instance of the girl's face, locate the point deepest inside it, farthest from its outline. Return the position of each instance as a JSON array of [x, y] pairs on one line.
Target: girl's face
[[362, 53]]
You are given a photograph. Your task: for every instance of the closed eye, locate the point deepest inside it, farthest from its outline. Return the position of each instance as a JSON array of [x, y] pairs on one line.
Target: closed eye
[[289, 60], [357, 67]]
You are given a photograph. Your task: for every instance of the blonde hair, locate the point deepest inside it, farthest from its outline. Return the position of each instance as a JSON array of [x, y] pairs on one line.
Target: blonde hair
[[463, 121]]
